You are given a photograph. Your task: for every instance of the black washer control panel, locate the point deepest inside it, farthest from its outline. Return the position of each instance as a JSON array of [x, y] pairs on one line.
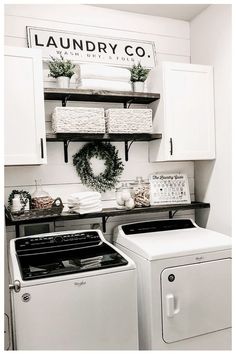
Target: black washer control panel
[[78, 239]]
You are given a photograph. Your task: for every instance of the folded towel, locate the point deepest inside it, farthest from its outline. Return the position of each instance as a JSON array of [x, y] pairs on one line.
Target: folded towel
[[85, 211], [77, 207], [85, 205], [80, 196], [97, 84], [86, 202], [94, 204], [105, 72], [90, 204], [88, 207]]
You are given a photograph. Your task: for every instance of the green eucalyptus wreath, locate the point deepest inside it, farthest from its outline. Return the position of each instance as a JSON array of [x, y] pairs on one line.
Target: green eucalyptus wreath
[[113, 165]]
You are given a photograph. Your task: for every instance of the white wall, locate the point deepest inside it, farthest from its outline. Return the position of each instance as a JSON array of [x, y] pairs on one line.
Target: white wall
[[60, 179], [211, 44]]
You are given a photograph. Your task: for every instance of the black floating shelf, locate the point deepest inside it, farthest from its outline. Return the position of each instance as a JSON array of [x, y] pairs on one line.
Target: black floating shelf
[[109, 212], [99, 96], [103, 137], [68, 137]]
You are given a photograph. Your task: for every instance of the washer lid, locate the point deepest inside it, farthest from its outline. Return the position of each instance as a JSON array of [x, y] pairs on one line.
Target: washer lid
[[173, 242], [61, 254]]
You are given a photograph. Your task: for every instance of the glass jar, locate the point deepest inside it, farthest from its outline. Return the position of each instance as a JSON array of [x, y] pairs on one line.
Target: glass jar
[[40, 198], [141, 193], [124, 197]]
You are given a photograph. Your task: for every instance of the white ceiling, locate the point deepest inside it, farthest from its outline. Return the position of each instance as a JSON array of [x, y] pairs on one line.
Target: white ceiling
[[179, 11]]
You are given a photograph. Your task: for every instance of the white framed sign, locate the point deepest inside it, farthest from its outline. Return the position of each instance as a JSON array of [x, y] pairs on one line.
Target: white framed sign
[[91, 48], [169, 188]]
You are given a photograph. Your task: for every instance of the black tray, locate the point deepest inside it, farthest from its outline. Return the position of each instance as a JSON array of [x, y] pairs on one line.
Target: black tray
[[55, 210]]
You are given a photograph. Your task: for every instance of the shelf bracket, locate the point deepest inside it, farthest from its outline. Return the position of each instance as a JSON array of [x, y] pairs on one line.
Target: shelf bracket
[[128, 103], [66, 144], [64, 100], [172, 214], [127, 148], [104, 222]]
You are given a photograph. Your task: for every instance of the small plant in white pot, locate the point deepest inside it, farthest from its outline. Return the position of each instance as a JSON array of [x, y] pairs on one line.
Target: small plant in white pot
[[62, 70], [138, 76]]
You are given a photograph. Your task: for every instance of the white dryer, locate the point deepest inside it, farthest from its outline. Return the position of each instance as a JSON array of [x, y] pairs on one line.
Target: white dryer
[[184, 284]]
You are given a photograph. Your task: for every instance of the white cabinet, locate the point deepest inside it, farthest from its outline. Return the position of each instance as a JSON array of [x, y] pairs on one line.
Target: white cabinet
[[185, 113], [24, 128]]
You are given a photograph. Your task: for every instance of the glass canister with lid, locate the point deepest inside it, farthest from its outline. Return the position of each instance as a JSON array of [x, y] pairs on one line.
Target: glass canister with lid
[[124, 198], [141, 192]]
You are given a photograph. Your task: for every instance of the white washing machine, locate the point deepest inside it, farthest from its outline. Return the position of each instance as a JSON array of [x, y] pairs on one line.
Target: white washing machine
[[72, 291], [184, 284]]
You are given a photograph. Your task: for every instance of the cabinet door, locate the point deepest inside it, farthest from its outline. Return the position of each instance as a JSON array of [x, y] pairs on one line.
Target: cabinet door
[[196, 299], [189, 111], [25, 142]]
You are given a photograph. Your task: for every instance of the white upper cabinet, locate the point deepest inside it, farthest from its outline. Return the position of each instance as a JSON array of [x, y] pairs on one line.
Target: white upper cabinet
[[185, 113], [24, 128]]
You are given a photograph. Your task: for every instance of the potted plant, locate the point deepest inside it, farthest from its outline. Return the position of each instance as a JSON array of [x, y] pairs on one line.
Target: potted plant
[[62, 70], [138, 75]]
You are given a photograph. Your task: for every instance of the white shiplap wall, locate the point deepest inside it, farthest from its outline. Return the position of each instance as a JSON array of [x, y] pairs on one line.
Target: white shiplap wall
[[59, 179]]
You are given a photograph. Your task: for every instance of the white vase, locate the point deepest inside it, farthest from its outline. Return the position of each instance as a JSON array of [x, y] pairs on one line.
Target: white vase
[[63, 81], [138, 86]]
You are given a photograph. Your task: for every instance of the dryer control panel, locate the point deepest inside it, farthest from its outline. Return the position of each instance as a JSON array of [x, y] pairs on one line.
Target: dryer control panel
[[157, 226]]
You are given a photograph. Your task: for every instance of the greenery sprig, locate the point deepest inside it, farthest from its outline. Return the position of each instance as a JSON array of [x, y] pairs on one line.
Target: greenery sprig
[[138, 73], [60, 67], [113, 166]]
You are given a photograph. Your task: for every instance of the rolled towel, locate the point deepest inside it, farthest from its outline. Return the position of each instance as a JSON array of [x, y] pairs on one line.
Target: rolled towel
[[97, 84], [104, 72]]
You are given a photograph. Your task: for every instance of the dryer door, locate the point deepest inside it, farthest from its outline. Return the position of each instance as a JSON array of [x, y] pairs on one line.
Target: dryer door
[[196, 299]]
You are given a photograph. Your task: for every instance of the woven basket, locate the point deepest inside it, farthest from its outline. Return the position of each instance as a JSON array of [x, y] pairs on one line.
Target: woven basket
[[129, 120], [78, 120]]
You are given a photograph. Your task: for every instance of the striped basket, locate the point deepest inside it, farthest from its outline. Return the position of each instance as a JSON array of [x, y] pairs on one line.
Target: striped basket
[[78, 120], [128, 120]]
